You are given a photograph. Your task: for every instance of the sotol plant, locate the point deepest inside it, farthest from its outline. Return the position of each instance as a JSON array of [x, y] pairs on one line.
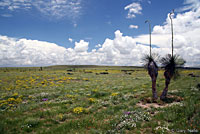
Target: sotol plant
[[150, 65], [170, 62]]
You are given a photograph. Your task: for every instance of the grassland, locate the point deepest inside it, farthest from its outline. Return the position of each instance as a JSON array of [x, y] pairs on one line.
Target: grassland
[[96, 100]]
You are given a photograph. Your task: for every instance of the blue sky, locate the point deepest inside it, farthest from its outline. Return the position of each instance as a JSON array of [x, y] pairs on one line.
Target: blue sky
[[67, 22], [97, 20]]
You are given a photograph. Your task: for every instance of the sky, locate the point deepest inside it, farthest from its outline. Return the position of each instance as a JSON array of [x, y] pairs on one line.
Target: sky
[[96, 32]]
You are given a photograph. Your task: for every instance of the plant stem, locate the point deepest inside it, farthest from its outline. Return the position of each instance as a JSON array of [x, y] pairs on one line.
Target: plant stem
[[172, 32], [149, 34]]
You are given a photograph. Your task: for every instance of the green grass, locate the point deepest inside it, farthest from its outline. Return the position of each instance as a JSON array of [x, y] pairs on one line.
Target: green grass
[[79, 99]]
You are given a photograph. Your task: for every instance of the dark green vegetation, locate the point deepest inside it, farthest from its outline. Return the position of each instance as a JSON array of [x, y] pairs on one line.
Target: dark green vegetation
[[94, 99]]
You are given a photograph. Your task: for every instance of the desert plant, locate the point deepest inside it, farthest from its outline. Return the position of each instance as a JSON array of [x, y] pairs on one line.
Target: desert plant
[[170, 62], [150, 65]]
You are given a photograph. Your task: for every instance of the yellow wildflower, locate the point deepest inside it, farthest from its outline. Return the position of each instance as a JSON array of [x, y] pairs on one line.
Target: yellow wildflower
[[85, 79], [70, 96], [114, 94], [8, 88], [92, 100], [94, 90], [15, 94], [60, 116], [78, 110], [18, 100], [11, 99]]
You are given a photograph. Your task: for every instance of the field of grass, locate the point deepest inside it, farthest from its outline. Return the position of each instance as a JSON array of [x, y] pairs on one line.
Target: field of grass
[[96, 100]]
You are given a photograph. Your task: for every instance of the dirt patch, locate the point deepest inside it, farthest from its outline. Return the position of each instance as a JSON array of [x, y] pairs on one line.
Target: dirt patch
[[148, 103]]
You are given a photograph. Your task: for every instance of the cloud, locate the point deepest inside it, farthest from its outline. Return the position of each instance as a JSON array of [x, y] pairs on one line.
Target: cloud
[[59, 8], [56, 9], [70, 40], [15, 4], [133, 27], [99, 45], [121, 50], [6, 15], [190, 5], [25, 52], [133, 9], [75, 25], [81, 46], [109, 23], [149, 1]]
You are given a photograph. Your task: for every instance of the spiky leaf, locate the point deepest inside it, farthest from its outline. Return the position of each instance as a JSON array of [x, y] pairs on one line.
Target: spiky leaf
[[170, 63], [147, 59]]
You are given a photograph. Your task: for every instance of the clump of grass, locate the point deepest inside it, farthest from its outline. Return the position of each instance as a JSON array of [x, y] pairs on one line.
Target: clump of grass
[[98, 94], [61, 117], [30, 123]]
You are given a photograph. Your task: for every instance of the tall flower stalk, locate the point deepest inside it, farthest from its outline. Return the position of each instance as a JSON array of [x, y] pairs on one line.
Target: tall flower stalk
[[147, 21], [151, 65], [170, 16]]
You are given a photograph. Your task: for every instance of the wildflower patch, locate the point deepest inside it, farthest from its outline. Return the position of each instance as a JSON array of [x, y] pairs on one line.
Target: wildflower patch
[[129, 120]]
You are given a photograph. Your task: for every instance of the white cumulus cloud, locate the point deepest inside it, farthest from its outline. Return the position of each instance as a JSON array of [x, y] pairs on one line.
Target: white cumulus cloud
[[81, 46], [133, 27], [133, 9], [22, 52], [99, 45], [122, 50]]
